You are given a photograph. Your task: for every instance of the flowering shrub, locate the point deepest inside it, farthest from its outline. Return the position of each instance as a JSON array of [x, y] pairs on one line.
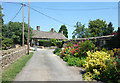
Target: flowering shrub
[[80, 49], [95, 64], [65, 53]]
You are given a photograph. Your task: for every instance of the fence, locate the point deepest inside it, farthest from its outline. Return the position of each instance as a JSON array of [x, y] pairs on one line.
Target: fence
[[11, 55]]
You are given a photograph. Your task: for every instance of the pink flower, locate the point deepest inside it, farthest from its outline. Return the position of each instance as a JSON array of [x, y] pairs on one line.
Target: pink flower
[[91, 50], [74, 45], [77, 48], [82, 41], [66, 44], [79, 42], [75, 51], [85, 39], [88, 39]]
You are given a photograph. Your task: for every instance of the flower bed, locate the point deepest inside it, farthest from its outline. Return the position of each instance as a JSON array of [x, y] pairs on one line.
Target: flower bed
[[100, 64]]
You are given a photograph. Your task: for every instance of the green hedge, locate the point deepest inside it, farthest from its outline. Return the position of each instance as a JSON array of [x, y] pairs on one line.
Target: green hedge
[[45, 43], [48, 43]]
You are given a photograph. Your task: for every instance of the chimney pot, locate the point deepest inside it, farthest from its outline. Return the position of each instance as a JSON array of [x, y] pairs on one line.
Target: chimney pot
[[38, 28]]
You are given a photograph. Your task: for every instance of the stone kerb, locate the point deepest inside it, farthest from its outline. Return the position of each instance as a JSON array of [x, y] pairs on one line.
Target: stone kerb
[[11, 55]]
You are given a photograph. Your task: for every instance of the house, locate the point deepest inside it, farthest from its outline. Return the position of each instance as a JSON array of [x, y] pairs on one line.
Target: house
[[46, 35]]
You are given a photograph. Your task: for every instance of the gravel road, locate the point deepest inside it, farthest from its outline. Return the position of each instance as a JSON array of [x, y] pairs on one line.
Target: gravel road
[[45, 66]]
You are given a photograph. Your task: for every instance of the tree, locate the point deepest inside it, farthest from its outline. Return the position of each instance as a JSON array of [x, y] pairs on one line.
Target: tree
[[80, 31], [13, 30], [1, 15], [98, 28], [64, 29], [1, 23], [110, 28]]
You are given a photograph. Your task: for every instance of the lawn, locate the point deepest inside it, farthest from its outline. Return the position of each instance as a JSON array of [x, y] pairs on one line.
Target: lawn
[[12, 70]]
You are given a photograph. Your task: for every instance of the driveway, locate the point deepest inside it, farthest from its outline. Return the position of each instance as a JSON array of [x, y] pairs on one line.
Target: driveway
[[45, 66]]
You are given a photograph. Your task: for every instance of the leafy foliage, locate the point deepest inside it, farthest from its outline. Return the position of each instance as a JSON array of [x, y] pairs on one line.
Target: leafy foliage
[[80, 31], [53, 41], [6, 43], [98, 28], [110, 28], [13, 30], [64, 29], [57, 50]]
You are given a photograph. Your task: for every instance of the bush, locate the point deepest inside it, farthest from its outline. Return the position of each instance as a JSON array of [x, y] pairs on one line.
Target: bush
[[59, 44], [95, 64], [45, 43], [112, 72], [80, 62], [6, 43], [53, 42], [57, 50], [66, 52], [80, 49], [71, 61]]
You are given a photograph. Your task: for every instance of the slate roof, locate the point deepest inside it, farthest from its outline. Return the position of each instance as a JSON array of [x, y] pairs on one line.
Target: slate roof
[[47, 35]]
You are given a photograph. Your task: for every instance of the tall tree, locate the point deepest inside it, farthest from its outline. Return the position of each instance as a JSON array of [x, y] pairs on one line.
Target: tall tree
[[1, 15], [64, 29], [13, 30], [80, 31], [1, 24], [110, 28], [98, 28]]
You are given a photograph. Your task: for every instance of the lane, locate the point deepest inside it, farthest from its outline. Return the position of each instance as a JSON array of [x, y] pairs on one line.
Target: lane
[[45, 66]]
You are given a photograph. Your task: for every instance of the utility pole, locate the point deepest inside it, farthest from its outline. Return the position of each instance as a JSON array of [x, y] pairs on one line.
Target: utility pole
[[23, 26], [28, 23]]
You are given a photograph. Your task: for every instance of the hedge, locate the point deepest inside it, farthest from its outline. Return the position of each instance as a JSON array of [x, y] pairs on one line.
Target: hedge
[[48, 43]]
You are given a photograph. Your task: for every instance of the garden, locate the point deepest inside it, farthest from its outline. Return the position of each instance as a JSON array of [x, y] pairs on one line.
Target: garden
[[100, 64]]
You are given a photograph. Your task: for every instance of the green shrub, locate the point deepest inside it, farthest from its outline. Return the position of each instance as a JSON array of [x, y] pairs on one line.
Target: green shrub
[[80, 62], [112, 72], [6, 43], [57, 50], [59, 44], [53, 42], [45, 43], [71, 61]]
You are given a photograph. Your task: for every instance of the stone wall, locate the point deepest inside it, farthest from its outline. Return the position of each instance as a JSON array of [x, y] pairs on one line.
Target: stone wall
[[11, 55]]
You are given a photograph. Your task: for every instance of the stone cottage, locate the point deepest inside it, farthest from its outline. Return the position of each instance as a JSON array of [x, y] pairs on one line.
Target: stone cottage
[[46, 35]]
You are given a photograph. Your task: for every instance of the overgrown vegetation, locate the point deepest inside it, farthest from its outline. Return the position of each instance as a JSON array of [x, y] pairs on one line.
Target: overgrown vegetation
[[12, 70]]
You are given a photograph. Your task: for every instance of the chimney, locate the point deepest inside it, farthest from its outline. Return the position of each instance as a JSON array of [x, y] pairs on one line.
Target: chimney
[[38, 28], [62, 32], [52, 29]]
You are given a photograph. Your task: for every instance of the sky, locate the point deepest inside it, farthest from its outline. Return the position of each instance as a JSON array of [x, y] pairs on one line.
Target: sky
[[66, 12]]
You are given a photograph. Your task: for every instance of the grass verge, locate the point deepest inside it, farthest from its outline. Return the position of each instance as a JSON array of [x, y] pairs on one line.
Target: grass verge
[[12, 70]]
